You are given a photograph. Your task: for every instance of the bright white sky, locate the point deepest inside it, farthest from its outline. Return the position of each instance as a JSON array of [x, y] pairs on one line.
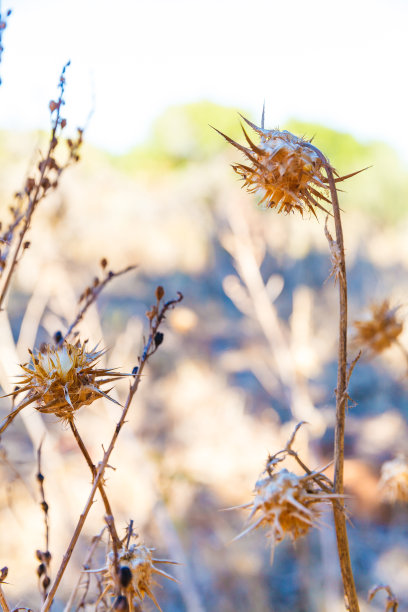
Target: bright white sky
[[342, 63]]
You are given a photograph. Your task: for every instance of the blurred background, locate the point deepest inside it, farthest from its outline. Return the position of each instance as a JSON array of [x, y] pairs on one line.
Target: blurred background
[[251, 350]]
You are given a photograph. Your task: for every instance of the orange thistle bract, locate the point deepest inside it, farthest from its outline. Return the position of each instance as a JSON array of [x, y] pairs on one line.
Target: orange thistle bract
[[60, 379], [381, 330], [285, 168]]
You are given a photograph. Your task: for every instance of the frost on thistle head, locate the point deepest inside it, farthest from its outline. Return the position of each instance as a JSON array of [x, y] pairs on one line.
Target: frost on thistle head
[[61, 378], [286, 169]]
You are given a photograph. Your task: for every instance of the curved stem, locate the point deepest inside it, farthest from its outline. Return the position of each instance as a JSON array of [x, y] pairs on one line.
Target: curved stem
[[341, 404]]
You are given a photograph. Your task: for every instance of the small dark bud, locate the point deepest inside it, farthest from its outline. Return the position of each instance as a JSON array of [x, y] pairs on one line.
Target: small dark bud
[[159, 293], [57, 337], [135, 370], [63, 123], [3, 573], [158, 339], [26, 244], [95, 281], [104, 263], [53, 105], [125, 576], [40, 477], [41, 569], [9, 13], [30, 184], [47, 557], [44, 506], [46, 582], [45, 183], [39, 555], [121, 603]]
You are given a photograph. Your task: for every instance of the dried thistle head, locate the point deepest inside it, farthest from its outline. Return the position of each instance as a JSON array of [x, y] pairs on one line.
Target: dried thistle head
[[381, 330], [285, 503], [394, 480], [61, 378], [133, 575], [286, 169]]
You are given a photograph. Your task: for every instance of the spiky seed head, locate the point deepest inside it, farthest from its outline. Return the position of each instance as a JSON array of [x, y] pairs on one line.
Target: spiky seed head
[[286, 504], [286, 169], [136, 573], [394, 480], [281, 166], [62, 378], [381, 330]]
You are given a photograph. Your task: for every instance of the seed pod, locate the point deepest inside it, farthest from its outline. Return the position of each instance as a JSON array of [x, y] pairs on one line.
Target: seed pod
[[125, 576]]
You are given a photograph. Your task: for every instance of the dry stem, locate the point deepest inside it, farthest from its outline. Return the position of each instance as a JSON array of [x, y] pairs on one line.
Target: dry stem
[[3, 602], [341, 404], [92, 294], [149, 349], [108, 509], [37, 193]]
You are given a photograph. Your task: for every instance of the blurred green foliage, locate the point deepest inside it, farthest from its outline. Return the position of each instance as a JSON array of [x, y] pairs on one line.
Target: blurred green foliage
[[381, 190], [182, 135]]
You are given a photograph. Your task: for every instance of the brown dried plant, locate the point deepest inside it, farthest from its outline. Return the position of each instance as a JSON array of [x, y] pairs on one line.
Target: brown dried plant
[[62, 378], [65, 375], [286, 503], [291, 174], [391, 604], [381, 330], [129, 576], [285, 169], [46, 177], [394, 480]]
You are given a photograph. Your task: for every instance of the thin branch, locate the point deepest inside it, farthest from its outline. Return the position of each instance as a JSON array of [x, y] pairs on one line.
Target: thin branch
[[95, 542], [3, 601], [92, 294], [44, 505], [108, 509], [149, 349], [36, 190]]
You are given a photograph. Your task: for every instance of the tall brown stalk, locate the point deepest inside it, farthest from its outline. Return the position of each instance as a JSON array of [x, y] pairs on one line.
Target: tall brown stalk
[[341, 401], [287, 170]]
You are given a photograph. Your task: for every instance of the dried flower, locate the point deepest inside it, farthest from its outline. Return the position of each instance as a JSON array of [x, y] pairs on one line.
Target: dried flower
[[135, 576], [60, 379], [394, 480], [391, 604], [285, 168], [286, 504], [381, 330]]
